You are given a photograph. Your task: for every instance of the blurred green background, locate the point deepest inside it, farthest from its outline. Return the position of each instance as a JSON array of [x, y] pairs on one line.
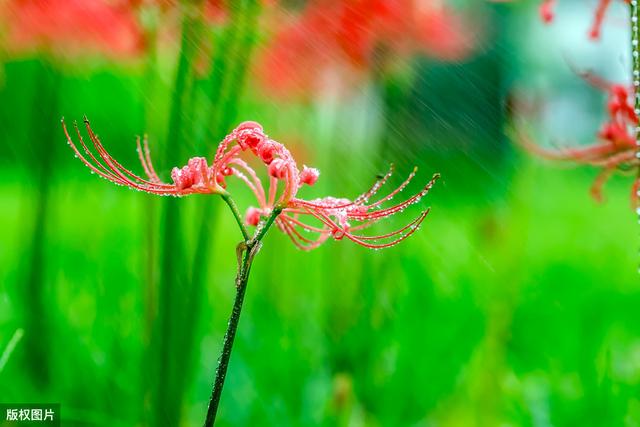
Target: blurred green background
[[516, 304]]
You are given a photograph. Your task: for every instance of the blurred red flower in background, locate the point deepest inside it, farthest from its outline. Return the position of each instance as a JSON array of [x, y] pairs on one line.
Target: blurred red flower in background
[[547, 13], [71, 27], [615, 148], [359, 35]]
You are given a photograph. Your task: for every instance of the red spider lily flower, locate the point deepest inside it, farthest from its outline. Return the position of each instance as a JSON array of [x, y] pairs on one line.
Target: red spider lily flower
[[307, 222], [71, 27], [336, 216], [547, 15], [616, 147], [357, 36]]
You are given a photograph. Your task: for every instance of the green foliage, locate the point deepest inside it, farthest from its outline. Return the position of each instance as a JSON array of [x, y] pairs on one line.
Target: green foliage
[[515, 304]]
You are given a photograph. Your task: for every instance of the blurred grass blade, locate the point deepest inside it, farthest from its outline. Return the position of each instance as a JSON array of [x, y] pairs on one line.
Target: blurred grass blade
[[224, 97], [11, 346], [43, 136], [169, 391]]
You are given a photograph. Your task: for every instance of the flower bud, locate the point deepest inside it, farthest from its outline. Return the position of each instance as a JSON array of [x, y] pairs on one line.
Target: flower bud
[[278, 168], [252, 217], [309, 176], [249, 135], [249, 125], [266, 151], [178, 179], [220, 180]]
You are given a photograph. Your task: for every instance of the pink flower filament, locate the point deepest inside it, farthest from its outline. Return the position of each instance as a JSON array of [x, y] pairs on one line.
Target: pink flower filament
[[308, 223]]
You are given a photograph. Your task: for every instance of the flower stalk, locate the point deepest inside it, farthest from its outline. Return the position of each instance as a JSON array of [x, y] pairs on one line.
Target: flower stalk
[[236, 215], [246, 251]]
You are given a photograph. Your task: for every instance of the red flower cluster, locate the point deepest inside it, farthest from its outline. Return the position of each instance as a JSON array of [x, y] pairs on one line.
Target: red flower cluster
[[547, 14], [71, 27], [616, 148], [359, 35], [329, 216]]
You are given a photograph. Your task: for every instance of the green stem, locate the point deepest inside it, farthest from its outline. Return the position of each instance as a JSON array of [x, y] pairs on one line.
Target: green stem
[[247, 251], [263, 228], [236, 214]]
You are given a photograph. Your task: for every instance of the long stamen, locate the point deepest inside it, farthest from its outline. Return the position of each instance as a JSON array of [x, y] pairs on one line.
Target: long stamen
[[293, 235], [251, 186], [85, 161], [116, 174], [396, 191], [325, 219], [597, 23], [107, 170], [292, 228], [417, 221], [308, 243], [412, 227], [222, 147], [363, 198], [593, 79], [220, 164], [147, 153], [565, 153], [260, 194], [616, 159], [143, 160], [117, 167], [598, 183], [389, 211], [302, 224], [273, 188]]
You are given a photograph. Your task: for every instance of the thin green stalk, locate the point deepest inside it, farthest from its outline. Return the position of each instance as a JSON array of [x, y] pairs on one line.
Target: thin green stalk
[[246, 250], [236, 214], [263, 228]]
